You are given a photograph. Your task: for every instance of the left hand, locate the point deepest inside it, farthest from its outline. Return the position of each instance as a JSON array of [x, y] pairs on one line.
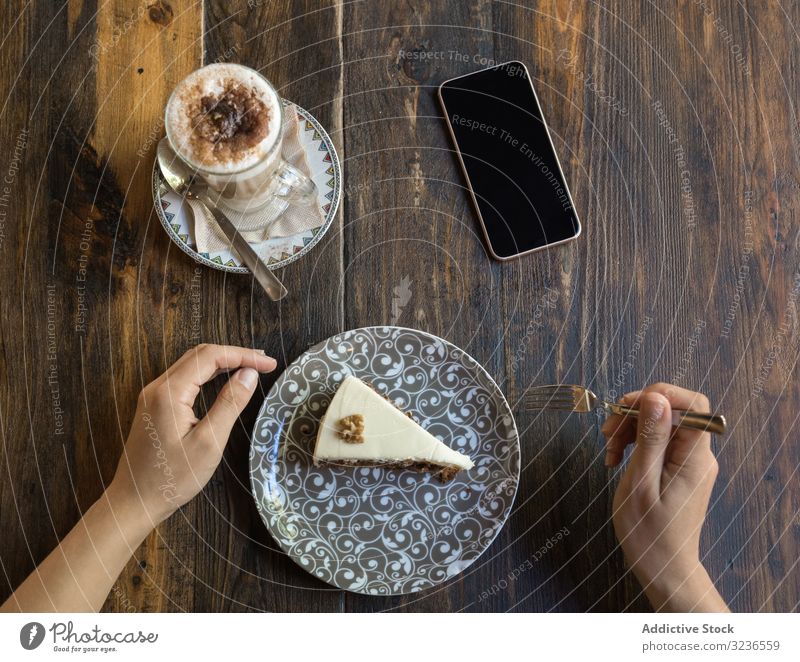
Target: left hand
[[170, 455]]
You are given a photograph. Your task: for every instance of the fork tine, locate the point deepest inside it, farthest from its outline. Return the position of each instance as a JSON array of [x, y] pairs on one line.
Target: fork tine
[[548, 397], [540, 403], [554, 396], [549, 405], [553, 388], [566, 406], [539, 392]]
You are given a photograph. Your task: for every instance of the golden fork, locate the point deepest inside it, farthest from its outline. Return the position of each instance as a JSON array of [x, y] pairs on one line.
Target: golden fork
[[582, 400]]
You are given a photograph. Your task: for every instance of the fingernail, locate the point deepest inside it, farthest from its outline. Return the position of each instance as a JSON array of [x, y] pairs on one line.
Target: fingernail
[[272, 363], [657, 408], [247, 377], [654, 407]]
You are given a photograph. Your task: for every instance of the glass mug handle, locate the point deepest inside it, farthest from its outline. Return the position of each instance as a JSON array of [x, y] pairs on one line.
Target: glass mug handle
[[293, 186]]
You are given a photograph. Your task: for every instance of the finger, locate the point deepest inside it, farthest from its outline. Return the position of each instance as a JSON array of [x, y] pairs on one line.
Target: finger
[[202, 363], [611, 424], [630, 398], [618, 426], [619, 423], [630, 423], [654, 430], [615, 450], [232, 399], [679, 398], [686, 443], [614, 455], [619, 432]]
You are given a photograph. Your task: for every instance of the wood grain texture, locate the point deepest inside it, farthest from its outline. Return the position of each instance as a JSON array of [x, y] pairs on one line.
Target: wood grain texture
[[409, 225], [678, 131], [296, 45]]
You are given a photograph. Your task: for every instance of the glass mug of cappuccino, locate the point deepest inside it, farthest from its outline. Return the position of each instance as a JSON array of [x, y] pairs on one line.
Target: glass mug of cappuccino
[[225, 121]]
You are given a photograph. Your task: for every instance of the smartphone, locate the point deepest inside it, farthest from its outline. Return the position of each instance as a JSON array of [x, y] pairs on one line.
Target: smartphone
[[509, 161]]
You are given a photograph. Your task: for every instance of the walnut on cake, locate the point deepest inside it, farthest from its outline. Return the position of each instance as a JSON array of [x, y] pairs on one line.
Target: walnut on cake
[[351, 429]]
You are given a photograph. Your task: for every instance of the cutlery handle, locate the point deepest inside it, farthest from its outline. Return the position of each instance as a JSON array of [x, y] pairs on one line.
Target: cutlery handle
[[682, 418], [272, 286]]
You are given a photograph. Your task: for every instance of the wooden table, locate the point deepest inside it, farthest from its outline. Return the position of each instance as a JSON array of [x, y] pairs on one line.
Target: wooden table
[[678, 131]]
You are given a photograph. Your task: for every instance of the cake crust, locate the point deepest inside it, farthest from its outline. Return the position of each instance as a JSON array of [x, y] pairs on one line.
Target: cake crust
[[445, 473]]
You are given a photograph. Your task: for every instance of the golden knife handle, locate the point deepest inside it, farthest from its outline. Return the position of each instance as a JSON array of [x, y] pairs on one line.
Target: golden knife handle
[[682, 418]]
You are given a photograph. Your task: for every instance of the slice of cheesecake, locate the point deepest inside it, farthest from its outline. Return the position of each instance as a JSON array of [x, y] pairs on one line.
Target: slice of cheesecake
[[362, 428]]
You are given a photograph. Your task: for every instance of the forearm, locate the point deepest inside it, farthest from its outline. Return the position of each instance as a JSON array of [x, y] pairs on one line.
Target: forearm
[[688, 591], [78, 574]]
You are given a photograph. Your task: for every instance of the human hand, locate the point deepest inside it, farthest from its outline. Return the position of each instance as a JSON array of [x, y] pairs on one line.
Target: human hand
[[170, 455], [661, 501]]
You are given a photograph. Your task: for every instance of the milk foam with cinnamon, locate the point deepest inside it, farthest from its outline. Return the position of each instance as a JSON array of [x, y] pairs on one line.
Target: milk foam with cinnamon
[[224, 118]]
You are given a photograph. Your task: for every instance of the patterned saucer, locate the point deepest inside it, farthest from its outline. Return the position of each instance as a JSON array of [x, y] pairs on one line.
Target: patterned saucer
[[371, 530], [326, 174]]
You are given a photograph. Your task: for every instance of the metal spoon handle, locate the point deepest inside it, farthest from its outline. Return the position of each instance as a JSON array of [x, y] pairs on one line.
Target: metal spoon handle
[[272, 286]]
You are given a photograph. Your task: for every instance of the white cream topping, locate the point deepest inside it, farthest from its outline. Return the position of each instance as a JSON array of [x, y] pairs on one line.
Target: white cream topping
[[210, 81], [389, 435]]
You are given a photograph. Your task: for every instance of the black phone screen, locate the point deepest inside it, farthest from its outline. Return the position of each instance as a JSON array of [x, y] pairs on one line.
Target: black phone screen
[[510, 163]]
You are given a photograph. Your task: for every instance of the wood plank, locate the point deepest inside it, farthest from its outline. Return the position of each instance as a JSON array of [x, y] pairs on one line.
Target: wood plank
[[566, 485], [135, 284], [663, 191], [413, 252], [296, 45], [36, 411], [751, 546]]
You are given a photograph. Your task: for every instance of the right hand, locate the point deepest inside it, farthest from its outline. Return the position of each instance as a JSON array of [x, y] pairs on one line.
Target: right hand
[[661, 501], [170, 455]]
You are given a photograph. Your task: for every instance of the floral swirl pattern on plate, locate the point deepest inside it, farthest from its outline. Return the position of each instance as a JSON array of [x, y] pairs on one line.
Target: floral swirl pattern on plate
[[371, 530]]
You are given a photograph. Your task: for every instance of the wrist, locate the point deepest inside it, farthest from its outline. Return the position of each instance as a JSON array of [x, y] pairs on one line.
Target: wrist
[[682, 587], [128, 512]]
